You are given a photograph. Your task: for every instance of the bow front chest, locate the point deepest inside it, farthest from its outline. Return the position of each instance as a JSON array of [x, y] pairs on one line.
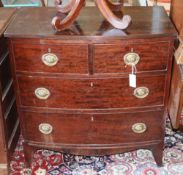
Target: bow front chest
[[74, 89]]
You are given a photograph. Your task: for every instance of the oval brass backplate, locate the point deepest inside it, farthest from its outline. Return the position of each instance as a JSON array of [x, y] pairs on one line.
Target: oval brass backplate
[[139, 128], [141, 92], [131, 58], [42, 93], [45, 128], [49, 59]]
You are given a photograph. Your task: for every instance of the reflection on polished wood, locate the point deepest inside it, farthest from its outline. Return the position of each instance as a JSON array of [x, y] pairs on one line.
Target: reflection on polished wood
[[62, 21], [64, 8], [68, 13]]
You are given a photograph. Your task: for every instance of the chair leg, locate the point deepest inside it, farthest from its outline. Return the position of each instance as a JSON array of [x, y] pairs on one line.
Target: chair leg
[[1, 4], [43, 3]]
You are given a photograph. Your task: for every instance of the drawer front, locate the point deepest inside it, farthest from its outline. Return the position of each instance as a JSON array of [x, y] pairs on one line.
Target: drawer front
[[68, 58], [92, 129], [109, 58], [89, 93]]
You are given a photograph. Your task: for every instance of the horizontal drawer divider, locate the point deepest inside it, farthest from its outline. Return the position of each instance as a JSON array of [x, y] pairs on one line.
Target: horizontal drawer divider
[[92, 146], [86, 76], [90, 111]]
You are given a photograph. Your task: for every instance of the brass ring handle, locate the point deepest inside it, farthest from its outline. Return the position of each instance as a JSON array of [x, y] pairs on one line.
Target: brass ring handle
[[45, 128], [49, 59], [42, 93], [131, 58], [141, 92], [139, 128]]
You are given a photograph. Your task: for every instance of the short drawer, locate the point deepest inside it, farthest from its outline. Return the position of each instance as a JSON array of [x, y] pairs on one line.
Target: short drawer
[[109, 58], [65, 58], [90, 93], [50, 128]]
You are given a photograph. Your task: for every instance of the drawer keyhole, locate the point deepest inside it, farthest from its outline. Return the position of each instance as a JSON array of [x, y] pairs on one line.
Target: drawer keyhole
[[92, 119], [91, 84]]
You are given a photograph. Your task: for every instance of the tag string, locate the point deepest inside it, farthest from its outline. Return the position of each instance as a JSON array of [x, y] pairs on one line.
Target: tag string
[[134, 69]]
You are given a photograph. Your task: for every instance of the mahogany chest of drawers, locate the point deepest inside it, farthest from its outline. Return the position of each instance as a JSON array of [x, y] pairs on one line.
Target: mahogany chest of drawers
[[9, 124], [72, 87]]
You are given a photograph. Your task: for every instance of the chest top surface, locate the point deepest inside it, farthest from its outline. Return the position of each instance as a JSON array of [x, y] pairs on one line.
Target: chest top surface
[[36, 23], [5, 16]]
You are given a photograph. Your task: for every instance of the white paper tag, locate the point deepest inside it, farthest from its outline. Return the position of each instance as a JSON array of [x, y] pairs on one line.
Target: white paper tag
[[132, 80]]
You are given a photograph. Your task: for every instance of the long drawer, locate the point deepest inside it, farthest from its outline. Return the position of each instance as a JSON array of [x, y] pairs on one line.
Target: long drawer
[[109, 58], [90, 93], [50, 128], [64, 58]]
